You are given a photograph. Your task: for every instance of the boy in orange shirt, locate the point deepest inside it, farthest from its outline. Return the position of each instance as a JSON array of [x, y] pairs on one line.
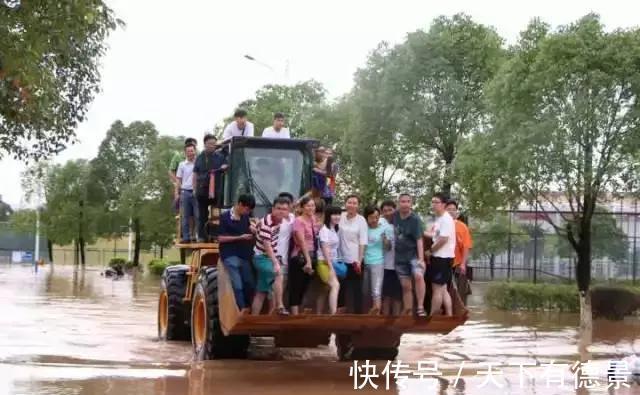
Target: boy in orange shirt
[[464, 243]]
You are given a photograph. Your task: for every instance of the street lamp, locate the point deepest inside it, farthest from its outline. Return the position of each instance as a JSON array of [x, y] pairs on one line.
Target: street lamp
[[286, 72]]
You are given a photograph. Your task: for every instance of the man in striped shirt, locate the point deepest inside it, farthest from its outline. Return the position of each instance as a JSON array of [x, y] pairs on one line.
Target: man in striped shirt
[[266, 262]]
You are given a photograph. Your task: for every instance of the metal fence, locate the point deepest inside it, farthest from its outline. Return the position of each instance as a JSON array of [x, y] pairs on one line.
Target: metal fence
[[526, 247], [102, 256]]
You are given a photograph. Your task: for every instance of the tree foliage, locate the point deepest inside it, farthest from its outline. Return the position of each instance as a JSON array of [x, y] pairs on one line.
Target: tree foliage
[[156, 217], [119, 175], [49, 54], [5, 211], [493, 236], [23, 221], [608, 240], [439, 77], [565, 118], [297, 102]]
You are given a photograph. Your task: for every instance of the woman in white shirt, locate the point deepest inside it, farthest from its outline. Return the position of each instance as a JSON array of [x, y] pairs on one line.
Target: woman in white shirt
[[353, 234], [329, 267]]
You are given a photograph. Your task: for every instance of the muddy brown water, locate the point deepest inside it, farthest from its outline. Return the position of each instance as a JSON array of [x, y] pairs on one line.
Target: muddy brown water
[[71, 331]]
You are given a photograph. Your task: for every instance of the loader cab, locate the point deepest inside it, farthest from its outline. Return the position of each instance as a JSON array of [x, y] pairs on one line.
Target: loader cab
[[266, 167]]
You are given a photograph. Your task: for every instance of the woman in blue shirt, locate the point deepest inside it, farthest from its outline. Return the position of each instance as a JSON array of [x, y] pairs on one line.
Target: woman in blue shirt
[[378, 242]]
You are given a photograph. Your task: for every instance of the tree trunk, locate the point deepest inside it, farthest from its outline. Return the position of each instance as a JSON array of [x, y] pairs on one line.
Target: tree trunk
[[82, 255], [583, 276], [136, 247], [448, 173], [75, 253], [492, 267], [50, 250], [80, 232], [161, 252]]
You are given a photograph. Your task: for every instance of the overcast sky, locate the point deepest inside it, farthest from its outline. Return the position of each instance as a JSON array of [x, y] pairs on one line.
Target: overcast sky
[[180, 64]]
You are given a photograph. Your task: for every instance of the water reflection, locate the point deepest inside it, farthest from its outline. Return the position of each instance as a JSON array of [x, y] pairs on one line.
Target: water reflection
[[69, 330]]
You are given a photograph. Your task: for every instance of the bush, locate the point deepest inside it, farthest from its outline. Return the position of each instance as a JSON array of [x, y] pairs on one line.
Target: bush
[[117, 262], [533, 297], [157, 266], [129, 265]]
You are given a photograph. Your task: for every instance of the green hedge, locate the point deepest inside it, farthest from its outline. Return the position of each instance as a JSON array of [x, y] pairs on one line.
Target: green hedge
[[157, 266], [533, 297], [121, 263], [117, 262]]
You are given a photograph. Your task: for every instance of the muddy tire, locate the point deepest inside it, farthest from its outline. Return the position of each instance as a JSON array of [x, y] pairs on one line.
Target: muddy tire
[[347, 352], [173, 314], [206, 334]]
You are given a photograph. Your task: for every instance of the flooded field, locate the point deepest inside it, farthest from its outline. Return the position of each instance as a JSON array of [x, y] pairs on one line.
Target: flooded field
[[67, 331]]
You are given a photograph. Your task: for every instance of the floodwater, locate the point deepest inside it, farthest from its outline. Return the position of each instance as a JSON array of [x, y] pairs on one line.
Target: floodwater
[[66, 331]]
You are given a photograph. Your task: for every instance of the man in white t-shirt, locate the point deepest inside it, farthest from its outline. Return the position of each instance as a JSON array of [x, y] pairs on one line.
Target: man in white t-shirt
[[184, 193], [442, 252], [239, 127], [277, 131]]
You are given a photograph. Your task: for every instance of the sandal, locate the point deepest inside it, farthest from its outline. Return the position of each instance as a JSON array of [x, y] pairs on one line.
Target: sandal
[[407, 312], [374, 311], [282, 311], [420, 312]]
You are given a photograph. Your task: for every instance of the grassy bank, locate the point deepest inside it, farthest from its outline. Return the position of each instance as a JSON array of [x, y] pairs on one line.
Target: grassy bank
[[533, 297], [541, 297], [103, 250]]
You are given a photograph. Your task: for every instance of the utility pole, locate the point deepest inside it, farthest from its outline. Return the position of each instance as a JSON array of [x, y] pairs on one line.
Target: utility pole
[[535, 246], [130, 240], [635, 239], [36, 254]]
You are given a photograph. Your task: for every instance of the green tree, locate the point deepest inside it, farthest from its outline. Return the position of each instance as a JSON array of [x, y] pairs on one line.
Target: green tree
[[494, 236], [118, 175], [374, 123], [5, 211], [49, 55], [297, 102], [23, 221], [566, 118], [608, 240], [70, 215], [439, 79], [156, 216]]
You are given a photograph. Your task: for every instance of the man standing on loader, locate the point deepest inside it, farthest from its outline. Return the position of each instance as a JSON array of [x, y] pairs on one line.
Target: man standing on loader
[[207, 183]]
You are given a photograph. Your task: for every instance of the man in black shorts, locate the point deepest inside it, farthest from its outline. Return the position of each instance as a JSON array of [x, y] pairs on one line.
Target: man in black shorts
[[443, 234]]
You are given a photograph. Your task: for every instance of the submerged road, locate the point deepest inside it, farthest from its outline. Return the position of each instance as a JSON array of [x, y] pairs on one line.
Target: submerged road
[[69, 330]]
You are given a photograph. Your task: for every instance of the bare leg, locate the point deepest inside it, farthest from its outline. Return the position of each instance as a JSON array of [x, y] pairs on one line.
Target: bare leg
[[446, 298], [295, 310], [334, 290], [407, 294], [418, 279], [278, 290], [396, 307], [386, 305], [258, 301], [436, 299], [320, 302]]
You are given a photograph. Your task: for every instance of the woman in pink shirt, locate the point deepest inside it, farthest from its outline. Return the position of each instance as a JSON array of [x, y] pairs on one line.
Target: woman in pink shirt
[[303, 255]]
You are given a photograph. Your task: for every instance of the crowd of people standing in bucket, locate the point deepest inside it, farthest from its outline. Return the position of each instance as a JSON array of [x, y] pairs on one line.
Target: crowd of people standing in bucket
[[372, 262]]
